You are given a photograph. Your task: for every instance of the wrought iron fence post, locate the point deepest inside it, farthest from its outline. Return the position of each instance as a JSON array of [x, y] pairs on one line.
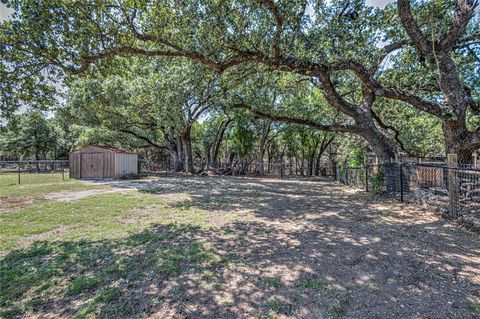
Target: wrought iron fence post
[[63, 171], [346, 175], [366, 177], [401, 182], [335, 170], [18, 166]]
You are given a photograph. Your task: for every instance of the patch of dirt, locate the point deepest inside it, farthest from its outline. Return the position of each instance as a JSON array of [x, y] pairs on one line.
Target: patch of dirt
[[334, 251], [175, 198], [79, 194], [26, 242], [12, 204]]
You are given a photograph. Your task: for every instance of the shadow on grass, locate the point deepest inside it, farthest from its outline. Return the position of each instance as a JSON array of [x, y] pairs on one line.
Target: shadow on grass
[[335, 255], [108, 278], [165, 271], [245, 269]]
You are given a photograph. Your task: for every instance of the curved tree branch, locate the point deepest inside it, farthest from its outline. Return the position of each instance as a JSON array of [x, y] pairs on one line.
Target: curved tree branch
[[295, 120], [412, 28], [279, 25], [463, 13], [396, 133]]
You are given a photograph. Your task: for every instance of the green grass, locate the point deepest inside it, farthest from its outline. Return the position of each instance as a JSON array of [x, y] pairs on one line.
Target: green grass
[[101, 276], [95, 251], [11, 179], [83, 284], [277, 306], [319, 285], [110, 215], [39, 189], [475, 306], [334, 311], [38, 184], [270, 282]]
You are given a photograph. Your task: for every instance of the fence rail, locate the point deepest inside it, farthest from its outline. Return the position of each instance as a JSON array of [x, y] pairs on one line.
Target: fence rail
[[451, 189], [32, 171], [246, 168]]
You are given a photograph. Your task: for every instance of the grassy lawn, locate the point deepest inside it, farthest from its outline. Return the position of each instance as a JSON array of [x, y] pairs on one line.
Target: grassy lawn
[[224, 248], [93, 217], [104, 277], [92, 250], [10, 179], [37, 184]]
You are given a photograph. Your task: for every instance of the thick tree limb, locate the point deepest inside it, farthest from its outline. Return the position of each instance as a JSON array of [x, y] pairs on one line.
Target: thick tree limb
[[294, 120], [279, 25], [333, 97], [412, 28], [368, 79], [140, 137], [88, 60], [396, 133], [463, 13]]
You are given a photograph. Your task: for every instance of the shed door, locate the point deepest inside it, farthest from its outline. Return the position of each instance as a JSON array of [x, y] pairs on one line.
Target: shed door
[[92, 165]]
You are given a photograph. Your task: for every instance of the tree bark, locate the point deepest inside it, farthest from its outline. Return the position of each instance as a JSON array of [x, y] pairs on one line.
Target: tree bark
[[187, 146], [311, 161], [454, 134], [261, 148], [217, 142], [177, 160], [326, 141], [457, 96]]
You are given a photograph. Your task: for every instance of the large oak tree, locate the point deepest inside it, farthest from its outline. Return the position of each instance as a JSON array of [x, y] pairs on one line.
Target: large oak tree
[[335, 44]]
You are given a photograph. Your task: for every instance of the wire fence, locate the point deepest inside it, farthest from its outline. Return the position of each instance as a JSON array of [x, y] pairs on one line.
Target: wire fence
[[30, 172], [453, 190], [239, 168]]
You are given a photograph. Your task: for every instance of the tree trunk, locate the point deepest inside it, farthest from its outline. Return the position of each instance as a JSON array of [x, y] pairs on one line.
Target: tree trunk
[[311, 161], [187, 146], [379, 143], [217, 142], [317, 164], [261, 147], [454, 134], [302, 173], [177, 160], [175, 149]]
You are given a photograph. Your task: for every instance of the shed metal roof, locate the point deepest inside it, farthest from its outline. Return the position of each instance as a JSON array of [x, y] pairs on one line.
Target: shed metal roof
[[108, 148]]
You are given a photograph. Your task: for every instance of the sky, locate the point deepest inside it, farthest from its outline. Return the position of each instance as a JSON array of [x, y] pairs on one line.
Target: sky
[[378, 3], [4, 12]]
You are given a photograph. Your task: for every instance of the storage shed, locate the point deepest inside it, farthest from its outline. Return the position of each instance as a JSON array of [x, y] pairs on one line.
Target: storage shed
[[96, 162]]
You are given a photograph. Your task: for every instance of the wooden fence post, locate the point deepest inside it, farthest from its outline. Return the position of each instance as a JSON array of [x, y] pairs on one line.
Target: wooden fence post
[[452, 160]]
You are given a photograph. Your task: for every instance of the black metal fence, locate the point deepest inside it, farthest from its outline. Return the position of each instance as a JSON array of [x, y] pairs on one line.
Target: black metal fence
[[238, 168], [27, 172], [453, 190]]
